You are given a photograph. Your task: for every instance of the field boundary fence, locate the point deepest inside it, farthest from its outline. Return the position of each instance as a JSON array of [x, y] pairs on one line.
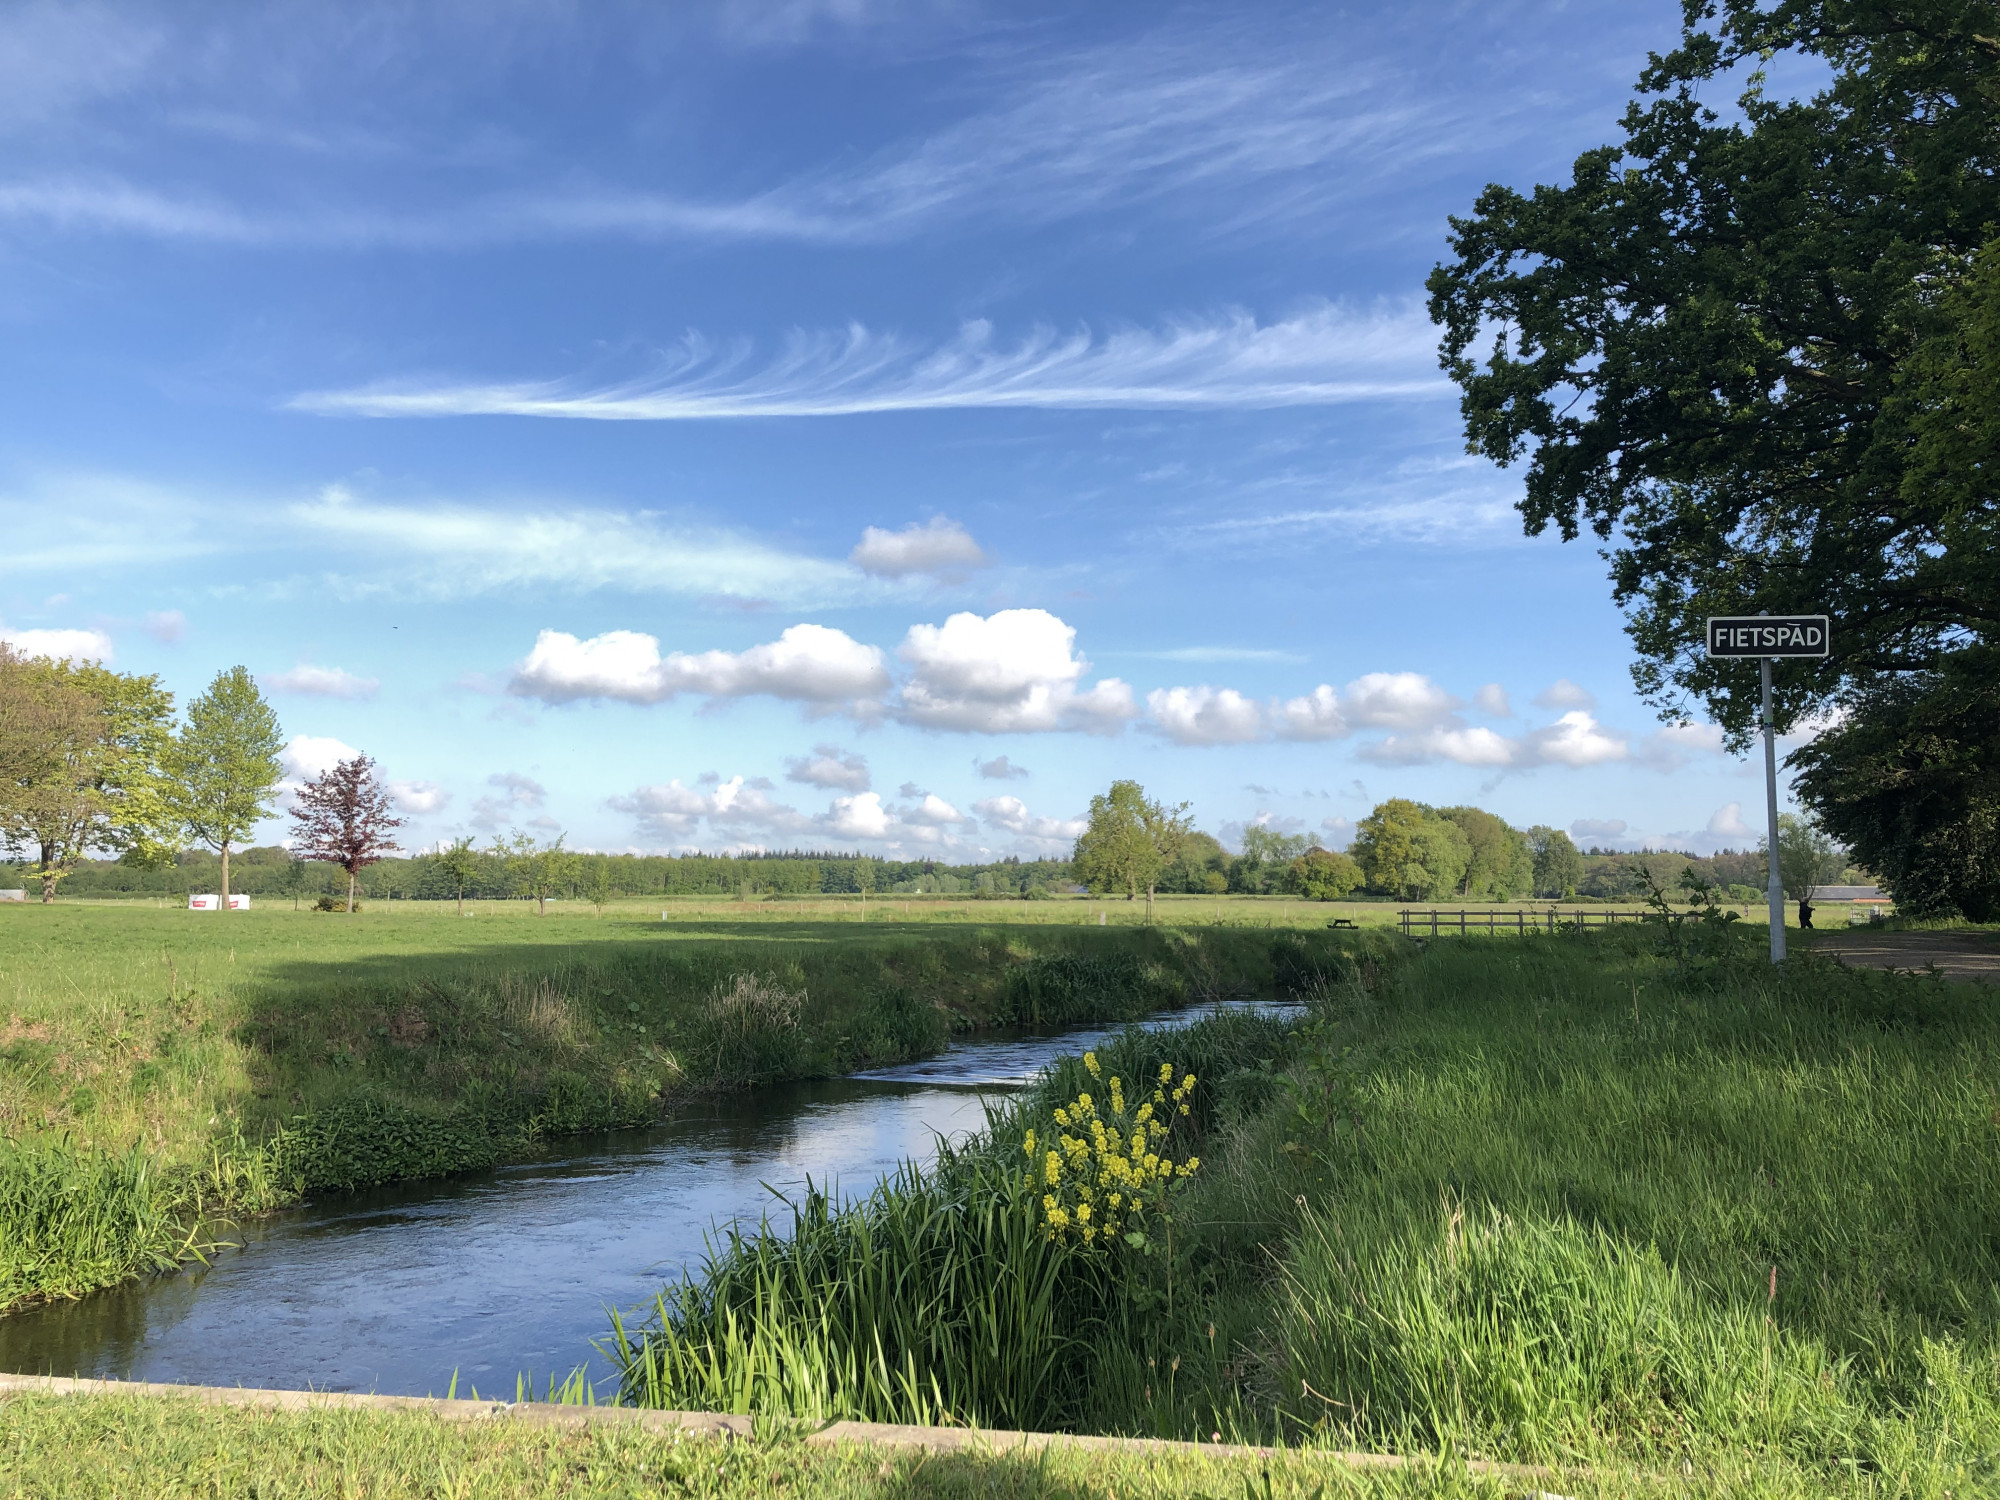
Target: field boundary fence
[[1432, 922]]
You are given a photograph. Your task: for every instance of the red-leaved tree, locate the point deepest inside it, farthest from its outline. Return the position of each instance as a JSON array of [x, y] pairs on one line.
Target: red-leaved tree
[[343, 817]]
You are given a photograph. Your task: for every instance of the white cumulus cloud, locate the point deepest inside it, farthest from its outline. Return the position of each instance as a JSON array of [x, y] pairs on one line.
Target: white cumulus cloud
[[1491, 700], [322, 682], [999, 769], [861, 816], [59, 645], [1205, 715], [1398, 700], [807, 663], [1726, 823], [1575, 740], [1011, 815], [1562, 693], [829, 766], [1598, 828], [306, 756], [419, 797], [1015, 671], [1315, 716], [936, 546]]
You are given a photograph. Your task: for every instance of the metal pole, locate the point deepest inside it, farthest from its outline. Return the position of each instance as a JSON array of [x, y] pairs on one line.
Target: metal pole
[[1777, 885]]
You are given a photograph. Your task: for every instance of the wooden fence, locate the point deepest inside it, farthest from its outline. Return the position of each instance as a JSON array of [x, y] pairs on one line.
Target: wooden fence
[[1435, 923]]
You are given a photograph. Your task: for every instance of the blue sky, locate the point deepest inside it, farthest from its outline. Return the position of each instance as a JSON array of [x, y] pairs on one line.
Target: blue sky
[[829, 424]]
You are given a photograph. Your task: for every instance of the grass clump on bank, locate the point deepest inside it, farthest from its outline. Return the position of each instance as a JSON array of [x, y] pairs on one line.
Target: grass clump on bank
[[162, 1068], [1591, 1199]]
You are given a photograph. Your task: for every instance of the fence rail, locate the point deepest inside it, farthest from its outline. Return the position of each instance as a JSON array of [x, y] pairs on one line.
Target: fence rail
[[1435, 923]]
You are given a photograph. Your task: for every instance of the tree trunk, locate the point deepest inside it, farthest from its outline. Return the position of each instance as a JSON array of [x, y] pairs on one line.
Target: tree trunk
[[1149, 899], [225, 877], [541, 903], [48, 876], [350, 893], [461, 901]]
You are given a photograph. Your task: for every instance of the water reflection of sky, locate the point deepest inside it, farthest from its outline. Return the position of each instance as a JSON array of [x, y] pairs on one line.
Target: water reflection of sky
[[508, 1271]]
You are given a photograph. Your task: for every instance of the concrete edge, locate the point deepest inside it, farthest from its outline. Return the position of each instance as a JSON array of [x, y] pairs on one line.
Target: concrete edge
[[719, 1425]]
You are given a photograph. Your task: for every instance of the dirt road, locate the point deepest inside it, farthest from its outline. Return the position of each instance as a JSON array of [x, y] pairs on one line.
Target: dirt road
[[1963, 956]]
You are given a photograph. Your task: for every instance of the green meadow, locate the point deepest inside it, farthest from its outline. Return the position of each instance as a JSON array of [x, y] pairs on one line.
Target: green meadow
[[1628, 1204]]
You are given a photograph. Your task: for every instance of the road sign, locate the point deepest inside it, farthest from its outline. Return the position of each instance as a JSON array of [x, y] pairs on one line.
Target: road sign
[[1768, 635]]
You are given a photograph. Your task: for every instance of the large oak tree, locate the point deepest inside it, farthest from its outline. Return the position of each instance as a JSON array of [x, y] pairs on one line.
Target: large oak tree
[[1728, 347]]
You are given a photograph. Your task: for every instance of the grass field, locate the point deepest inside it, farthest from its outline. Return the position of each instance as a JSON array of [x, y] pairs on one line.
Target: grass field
[[1630, 1201]]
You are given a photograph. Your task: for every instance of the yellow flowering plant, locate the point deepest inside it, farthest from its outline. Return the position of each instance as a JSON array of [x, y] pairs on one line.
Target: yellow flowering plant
[[1104, 1178]]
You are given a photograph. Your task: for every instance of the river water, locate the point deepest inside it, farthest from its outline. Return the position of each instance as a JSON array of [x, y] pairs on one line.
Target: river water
[[509, 1272]]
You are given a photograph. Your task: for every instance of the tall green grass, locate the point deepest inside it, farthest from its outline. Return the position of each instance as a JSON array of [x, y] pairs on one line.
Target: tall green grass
[[1573, 1199], [937, 1298]]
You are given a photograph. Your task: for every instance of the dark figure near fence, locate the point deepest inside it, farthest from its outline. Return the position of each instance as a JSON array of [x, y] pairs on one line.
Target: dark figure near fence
[[1805, 915]]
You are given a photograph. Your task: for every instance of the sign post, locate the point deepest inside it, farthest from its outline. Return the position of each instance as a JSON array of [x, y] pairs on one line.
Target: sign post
[[1766, 636]]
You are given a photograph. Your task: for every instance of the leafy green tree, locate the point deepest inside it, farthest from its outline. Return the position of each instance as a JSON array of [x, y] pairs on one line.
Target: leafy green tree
[[1808, 858], [91, 781], [1558, 863], [597, 882], [538, 869], [1443, 855], [458, 863], [1323, 875], [1733, 348], [222, 768], [1910, 782], [1266, 856], [1128, 840], [1385, 846], [1501, 867]]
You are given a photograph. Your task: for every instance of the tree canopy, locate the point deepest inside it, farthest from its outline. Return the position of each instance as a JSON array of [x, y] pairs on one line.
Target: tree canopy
[[80, 751], [223, 766], [1735, 348], [1129, 840], [343, 817]]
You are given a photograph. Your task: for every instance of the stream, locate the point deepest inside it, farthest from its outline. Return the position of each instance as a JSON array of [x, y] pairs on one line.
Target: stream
[[508, 1272]]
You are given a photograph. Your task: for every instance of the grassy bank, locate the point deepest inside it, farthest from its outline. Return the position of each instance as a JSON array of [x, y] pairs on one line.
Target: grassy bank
[[1573, 1200], [161, 1068]]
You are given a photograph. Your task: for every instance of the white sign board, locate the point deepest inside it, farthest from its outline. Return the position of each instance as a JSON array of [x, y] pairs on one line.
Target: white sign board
[[204, 903], [13, 895], [239, 903]]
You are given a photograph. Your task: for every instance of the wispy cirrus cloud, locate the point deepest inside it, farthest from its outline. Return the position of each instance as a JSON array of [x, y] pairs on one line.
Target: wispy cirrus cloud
[[1327, 354], [1241, 125], [456, 551]]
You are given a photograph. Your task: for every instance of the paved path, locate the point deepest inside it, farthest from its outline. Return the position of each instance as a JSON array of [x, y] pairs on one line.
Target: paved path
[[1962, 955]]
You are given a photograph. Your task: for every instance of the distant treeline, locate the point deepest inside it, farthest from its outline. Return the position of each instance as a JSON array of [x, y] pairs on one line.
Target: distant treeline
[[270, 871]]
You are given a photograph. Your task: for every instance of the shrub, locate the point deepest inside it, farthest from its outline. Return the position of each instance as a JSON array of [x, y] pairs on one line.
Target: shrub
[[895, 1026], [1063, 989], [749, 1032]]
